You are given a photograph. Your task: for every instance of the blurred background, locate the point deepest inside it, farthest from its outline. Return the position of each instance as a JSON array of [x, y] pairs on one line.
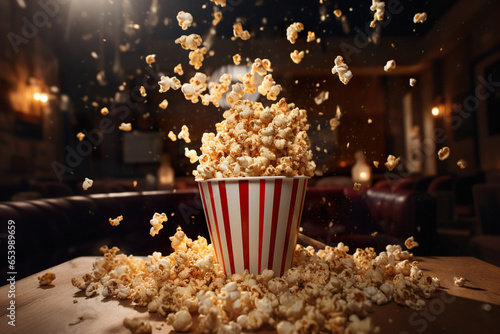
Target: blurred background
[[62, 61]]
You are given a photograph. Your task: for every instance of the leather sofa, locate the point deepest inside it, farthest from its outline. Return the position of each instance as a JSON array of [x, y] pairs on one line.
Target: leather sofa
[[51, 231]]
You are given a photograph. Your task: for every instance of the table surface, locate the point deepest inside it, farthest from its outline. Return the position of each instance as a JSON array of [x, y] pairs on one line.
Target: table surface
[[452, 310]]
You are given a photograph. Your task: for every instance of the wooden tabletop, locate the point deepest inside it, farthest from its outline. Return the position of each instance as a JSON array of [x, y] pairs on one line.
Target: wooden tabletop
[[451, 310]]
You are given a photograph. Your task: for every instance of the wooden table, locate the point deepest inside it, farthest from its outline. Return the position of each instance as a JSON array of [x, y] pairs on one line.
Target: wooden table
[[452, 310]]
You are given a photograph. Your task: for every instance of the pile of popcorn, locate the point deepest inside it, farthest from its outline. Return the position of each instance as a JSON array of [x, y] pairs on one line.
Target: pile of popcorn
[[326, 290], [254, 140]]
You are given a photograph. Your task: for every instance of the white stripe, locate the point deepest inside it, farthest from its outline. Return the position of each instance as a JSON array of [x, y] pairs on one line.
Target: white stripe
[[268, 217], [253, 230]]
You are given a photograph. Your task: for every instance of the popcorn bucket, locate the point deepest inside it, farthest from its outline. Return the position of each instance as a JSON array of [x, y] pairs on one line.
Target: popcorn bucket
[[254, 221]]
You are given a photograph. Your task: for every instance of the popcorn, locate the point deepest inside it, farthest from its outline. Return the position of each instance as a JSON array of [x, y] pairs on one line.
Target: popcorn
[[379, 8], [142, 90], [390, 65], [181, 321], [116, 221], [392, 162], [357, 186], [337, 12], [261, 66], [239, 32], [297, 56], [420, 17], [197, 85], [413, 82], [185, 20], [335, 122], [184, 134], [444, 153], [104, 111], [222, 3], [168, 82], [150, 59], [236, 59], [375, 163], [322, 97], [178, 69], [80, 136], [269, 88], [171, 135], [342, 69], [459, 281], [46, 279], [191, 154], [217, 18], [486, 307], [157, 223], [410, 243], [137, 326], [462, 163], [87, 183], [125, 127], [292, 32], [236, 94], [196, 57], [311, 36], [163, 104], [190, 42]]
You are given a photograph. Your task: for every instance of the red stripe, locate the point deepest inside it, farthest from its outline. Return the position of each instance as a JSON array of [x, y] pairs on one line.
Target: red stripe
[[212, 201], [274, 224], [227, 227], [293, 199], [245, 234], [262, 203], [217, 257]]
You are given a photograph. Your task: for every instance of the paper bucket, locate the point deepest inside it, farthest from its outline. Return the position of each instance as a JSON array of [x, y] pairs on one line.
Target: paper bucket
[[254, 221]]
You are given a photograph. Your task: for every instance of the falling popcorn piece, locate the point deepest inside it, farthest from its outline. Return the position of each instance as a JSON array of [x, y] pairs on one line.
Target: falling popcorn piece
[[171, 135], [373, 234], [134, 183], [104, 111], [142, 90], [337, 12], [80, 136], [462, 163], [217, 18], [185, 20], [196, 57], [116, 221], [238, 32], [189, 42], [292, 32], [87, 183], [375, 163], [137, 326], [392, 162], [157, 223], [163, 104], [297, 56], [420, 17], [356, 186], [46, 279], [150, 59], [261, 66], [178, 69], [221, 3], [413, 81], [125, 127], [391, 64], [379, 8], [411, 243], [236, 59], [444, 153], [94, 55], [184, 134], [458, 281], [311, 36], [191, 154], [166, 83], [322, 97], [342, 69]]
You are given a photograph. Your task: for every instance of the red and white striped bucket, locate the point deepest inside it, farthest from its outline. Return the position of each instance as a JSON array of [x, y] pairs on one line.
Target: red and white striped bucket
[[254, 221]]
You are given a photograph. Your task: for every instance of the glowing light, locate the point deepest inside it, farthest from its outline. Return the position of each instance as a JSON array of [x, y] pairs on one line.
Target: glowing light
[[363, 175], [435, 111], [37, 96], [44, 98]]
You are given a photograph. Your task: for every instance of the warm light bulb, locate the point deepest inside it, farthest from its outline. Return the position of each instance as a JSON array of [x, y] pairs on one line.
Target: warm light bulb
[[435, 111], [37, 96], [44, 98], [362, 175]]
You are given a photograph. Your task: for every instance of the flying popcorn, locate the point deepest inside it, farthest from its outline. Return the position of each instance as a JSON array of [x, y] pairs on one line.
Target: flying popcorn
[[392, 162], [80, 136], [125, 127], [462, 163], [411, 243], [189, 42], [150, 59], [375, 163], [322, 97], [166, 83], [171, 135], [342, 69], [184, 134], [178, 69], [413, 82], [391, 64], [217, 18], [142, 90], [335, 122], [292, 32], [356, 186], [236, 59], [163, 104], [191, 154], [157, 223], [196, 57], [297, 56], [337, 12], [104, 111], [116, 221], [87, 183], [185, 20], [261, 66], [444, 153], [420, 17], [311, 36], [238, 32], [379, 8], [221, 3]]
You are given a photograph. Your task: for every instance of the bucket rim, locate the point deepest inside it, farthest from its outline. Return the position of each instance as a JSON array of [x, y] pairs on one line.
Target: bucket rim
[[252, 178]]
